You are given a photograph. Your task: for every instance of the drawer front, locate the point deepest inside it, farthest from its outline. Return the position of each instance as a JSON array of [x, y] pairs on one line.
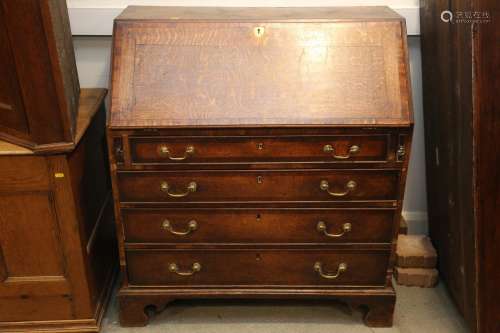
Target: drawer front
[[257, 267], [258, 225], [258, 186], [340, 148]]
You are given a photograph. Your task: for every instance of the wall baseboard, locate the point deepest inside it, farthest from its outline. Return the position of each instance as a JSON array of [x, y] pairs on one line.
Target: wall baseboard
[[418, 222]]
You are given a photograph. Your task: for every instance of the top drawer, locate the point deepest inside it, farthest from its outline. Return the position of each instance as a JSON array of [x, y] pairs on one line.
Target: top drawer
[[335, 148]]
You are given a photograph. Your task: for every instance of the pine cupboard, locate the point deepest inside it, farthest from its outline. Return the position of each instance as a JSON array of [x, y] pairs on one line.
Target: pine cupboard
[[57, 239]]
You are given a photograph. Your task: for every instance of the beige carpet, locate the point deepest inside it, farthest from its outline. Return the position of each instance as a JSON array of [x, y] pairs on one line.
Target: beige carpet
[[417, 311]]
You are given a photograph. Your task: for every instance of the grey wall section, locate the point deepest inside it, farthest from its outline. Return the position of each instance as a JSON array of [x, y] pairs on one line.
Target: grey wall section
[[415, 205], [93, 58]]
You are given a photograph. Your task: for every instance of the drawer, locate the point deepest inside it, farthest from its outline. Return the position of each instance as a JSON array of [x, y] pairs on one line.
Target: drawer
[[258, 225], [229, 267], [258, 186], [335, 148]]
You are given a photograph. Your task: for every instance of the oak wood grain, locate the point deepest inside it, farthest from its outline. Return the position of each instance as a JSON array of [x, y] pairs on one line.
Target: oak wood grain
[[257, 267], [148, 150], [243, 102], [221, 73], [239, 225], [57, 245], [258, 186], [40, 89], [90, 100]]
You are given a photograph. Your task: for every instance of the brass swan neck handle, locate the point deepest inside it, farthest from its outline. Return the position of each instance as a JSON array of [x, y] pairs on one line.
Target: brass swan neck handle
[[164, 151], [321, 227], [354, 149], [174, 268], [191, 188], [349, 187], [192, 226], [318, 267]]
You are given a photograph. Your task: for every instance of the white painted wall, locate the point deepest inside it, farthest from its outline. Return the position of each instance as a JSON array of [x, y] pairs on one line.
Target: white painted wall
[[94, 17], [93, 58]]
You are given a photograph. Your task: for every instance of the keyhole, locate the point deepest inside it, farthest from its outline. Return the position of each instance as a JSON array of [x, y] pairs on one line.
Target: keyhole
[[260, 179], [260, 146], [257, 257], [258, 217], [258, 31]]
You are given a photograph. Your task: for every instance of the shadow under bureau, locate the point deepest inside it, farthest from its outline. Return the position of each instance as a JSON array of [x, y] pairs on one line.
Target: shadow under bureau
[[258, 153]]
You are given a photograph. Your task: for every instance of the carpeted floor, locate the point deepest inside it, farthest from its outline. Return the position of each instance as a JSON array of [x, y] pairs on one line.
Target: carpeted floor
[[417, 310]]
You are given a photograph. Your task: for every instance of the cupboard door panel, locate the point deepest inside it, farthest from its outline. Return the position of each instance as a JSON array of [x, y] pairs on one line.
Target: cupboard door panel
[[33, 285], [29, 235]]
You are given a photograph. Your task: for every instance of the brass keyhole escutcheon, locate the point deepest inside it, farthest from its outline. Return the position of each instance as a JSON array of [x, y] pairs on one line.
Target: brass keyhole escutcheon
[[258, 31], [260, 146], [401, 152], [260, 179]]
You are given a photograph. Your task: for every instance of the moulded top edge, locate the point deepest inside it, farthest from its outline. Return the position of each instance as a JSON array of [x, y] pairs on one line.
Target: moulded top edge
[[164, 13]]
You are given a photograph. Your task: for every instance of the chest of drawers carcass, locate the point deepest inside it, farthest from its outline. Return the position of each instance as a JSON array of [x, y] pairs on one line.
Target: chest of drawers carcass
[[259, 153]]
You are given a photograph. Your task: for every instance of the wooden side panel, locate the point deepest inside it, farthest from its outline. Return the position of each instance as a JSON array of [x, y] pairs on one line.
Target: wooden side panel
[[12, 117], [461, 205], [64, 62], [460, 62], [89, 173], [486, 174], [38, 71], [72, 242], [441, 126], [33, 65]]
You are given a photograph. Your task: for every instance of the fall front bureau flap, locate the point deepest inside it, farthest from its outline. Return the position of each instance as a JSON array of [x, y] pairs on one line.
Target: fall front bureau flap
[[248, 67]]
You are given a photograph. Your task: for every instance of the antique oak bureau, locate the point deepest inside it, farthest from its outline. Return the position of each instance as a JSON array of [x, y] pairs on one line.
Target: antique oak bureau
[[258, 153]]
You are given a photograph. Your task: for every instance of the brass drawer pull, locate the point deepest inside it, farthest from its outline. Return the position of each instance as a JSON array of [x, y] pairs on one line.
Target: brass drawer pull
[[318, 267], [350, 186], [321, 227], [196, 267], [164, 151], [192, 226], [192, 187], [352, 150]]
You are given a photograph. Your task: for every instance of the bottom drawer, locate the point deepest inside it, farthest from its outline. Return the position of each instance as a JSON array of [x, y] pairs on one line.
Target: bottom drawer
[[246, 267]]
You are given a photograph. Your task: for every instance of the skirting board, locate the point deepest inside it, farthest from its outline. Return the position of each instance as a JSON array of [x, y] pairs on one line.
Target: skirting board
[[417, 221]]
